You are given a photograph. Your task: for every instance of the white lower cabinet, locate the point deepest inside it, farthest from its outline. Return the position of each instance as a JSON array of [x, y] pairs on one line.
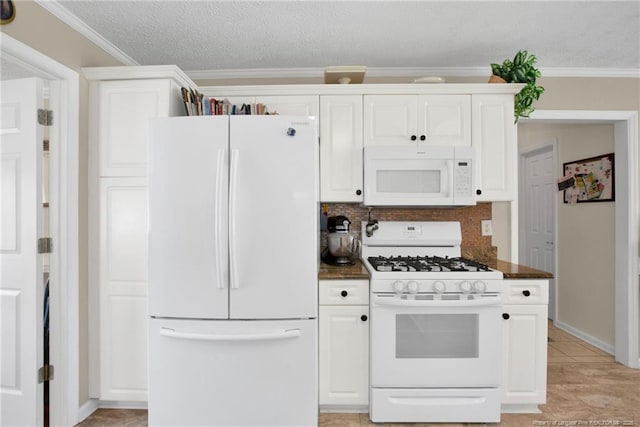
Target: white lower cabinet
[[524, 358], [344, 345]]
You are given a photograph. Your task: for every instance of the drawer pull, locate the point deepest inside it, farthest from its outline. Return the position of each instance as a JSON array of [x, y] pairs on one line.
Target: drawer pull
[[526, 293], [344, 294], [505, 316]]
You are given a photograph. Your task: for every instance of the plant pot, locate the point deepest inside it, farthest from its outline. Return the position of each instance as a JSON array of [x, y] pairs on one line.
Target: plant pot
[[496, 79]]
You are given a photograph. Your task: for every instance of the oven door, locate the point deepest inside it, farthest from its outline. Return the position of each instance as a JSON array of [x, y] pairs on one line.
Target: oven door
[[417, 343]]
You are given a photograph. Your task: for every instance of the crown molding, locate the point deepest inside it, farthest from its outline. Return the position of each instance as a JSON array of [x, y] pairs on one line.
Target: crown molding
[[138, 72], [262, 73], [590, 72], [57, 10]]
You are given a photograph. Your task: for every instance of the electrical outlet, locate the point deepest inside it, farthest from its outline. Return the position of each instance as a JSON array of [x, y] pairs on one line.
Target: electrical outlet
[[487, 230]]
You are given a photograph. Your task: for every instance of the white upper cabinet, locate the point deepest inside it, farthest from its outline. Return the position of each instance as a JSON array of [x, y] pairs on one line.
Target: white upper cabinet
[[494, 137], [417, 119], [341, 148], [124, 110]]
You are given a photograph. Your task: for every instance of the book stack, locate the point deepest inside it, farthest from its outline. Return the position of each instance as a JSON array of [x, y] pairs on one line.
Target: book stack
[[197, 104]]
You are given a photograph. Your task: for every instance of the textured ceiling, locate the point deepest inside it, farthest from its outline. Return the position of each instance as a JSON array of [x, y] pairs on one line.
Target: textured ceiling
[[231, 35]]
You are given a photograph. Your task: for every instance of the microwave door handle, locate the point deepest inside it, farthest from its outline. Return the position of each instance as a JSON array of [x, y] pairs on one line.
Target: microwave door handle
[[397, 302], [447, 178]]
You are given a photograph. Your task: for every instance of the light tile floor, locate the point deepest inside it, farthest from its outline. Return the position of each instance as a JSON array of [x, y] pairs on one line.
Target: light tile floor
[[585, 387]]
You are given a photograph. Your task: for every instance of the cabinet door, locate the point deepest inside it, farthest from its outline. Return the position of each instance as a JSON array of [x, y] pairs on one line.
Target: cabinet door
[[125, 108], [494, 136], [341, 148], [295, 105], [524, 364], [444, 119], [123, 289], [390, 119], [344, 355]]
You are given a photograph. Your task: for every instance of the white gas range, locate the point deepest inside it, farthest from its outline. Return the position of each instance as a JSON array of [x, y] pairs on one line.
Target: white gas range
[[435, 326]]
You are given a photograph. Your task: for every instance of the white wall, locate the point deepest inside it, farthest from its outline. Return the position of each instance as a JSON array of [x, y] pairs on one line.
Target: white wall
[[586, 240]]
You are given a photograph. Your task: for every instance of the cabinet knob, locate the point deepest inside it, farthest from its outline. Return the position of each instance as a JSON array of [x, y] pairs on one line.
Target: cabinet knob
[[526, 293], [505, 316], [344, 294], [358, 192], [478, 192], [422, 137], [364, 317], [413, 137]]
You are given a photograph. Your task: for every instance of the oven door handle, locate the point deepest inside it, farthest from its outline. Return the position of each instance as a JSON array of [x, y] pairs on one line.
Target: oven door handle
[[397, 302]]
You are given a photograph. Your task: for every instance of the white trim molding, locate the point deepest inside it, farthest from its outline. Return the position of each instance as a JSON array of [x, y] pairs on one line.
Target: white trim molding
[[608, 348], [481, 71], [627, 226]]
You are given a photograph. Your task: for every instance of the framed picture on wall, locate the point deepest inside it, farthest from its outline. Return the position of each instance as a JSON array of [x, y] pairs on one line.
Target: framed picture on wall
[[593, 180]]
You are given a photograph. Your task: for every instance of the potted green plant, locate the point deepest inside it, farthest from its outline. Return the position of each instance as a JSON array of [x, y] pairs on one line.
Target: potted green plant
[[520, 70]]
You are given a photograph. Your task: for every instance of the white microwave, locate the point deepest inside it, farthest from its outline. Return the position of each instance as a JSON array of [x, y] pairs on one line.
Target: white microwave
[[419, 176]]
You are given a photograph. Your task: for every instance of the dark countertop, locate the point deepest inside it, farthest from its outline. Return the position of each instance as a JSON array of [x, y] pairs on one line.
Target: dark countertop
[[517, 271], [353, 272], [358, 271]]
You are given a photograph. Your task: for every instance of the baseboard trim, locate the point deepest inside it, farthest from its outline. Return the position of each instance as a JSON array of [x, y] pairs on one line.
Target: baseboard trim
[[358, 409], [86, 409], [585, 337], [118, 404], [531, 408]]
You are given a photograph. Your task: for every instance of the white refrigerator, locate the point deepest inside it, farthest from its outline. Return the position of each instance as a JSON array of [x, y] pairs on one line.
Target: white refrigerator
[[233, 262]]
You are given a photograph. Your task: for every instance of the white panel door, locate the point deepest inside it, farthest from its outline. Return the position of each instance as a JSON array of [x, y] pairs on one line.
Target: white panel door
[[123, 289], [188, 222], [444, 119], [494, 138], [344, 355], [390, 119], [273, 217], [539, 216], [341, 148], [125, 109], [292, 105], [21, 284]]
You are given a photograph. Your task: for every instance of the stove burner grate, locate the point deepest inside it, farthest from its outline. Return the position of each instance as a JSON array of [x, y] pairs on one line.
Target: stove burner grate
[[425, 264]]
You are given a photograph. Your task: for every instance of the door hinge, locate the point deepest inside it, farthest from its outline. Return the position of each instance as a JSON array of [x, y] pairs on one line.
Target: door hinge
[[45, 117], [45, 373], [45, 245]]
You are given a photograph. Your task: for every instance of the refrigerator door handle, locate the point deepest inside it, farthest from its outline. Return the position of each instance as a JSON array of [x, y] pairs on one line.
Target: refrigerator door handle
[[233, 176], [266, 336], [218, 218]]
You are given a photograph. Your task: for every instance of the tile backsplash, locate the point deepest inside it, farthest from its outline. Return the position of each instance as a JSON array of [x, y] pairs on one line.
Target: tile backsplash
[[468, 216]]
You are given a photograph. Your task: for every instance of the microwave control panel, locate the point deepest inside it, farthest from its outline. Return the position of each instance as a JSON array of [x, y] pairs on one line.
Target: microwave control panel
[[463, 183]]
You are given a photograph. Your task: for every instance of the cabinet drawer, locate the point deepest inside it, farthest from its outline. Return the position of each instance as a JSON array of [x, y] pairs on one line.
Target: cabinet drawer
[[344, 292], [525, 292]]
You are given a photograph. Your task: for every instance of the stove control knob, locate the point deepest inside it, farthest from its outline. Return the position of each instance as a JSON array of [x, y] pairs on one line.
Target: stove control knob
[[398, 286], [465, 287], [439, 286], [413, 287], [479, 286]]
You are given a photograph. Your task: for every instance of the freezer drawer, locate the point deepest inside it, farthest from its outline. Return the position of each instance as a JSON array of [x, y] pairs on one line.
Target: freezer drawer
[[233, 373]]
